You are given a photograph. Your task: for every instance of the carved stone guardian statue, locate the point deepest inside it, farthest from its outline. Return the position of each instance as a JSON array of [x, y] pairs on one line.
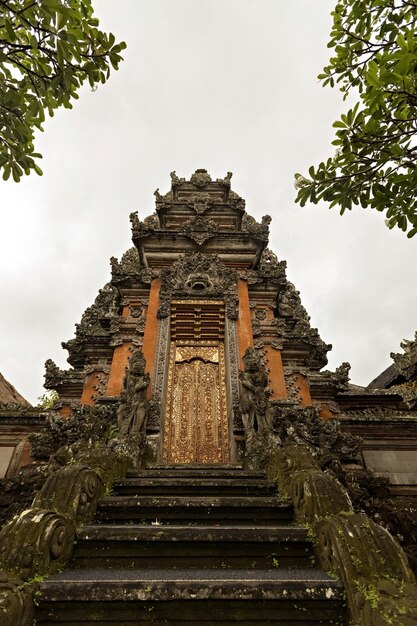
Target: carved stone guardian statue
[[133, 410], [254, 407]]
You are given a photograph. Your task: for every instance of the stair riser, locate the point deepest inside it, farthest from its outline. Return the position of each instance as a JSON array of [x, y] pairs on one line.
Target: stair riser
[[182, 555], [236, 474], [192, 613], [203, 515], [190, 490]]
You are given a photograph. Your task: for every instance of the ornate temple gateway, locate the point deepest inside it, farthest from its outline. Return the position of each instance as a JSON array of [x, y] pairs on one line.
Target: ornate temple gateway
[[198, 288], [196, 390]]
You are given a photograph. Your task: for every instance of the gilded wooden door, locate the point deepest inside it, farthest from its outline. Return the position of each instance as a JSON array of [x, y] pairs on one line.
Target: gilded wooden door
[[196, 429]]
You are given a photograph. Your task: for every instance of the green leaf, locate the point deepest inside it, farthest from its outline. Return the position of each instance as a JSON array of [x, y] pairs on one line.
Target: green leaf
[[375, 54], [69, 34]]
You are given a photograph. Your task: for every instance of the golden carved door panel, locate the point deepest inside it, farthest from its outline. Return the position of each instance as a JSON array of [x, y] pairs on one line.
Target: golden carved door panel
[[196, 429]]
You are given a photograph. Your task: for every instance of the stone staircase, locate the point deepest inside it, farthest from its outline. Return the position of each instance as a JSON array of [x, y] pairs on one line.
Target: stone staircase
[[192, 545]]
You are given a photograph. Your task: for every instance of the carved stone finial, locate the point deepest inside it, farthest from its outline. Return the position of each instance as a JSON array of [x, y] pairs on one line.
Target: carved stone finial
[[175, 180], [200, 178], [134, 219], [225, 180], [406, 362]]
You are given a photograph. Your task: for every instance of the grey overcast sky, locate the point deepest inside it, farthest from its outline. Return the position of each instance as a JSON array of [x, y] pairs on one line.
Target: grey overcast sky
[[223, 85]]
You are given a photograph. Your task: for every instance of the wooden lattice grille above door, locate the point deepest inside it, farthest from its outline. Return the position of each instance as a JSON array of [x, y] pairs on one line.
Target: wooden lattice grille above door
[[196, 428]]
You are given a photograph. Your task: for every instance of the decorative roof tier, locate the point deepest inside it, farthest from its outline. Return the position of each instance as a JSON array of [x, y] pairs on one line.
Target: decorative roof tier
[[200, 215]]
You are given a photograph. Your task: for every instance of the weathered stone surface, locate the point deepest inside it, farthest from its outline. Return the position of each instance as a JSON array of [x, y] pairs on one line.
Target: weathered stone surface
[[37, 542], [379, 584], [133, 408], [87, 424], [315, 494], [106, 463], [284, 461], [17, 493], [213, 278], [71, 491], [16, 608], [254, 408]]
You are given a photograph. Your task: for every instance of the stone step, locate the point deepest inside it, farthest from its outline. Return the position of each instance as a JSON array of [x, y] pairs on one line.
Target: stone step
[[258, 510], [195, 471], [201, 547], [162, 485], [211, 597]]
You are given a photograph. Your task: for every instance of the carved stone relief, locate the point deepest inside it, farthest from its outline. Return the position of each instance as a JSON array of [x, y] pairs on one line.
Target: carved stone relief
[[200, 178], [200, 229], [198, 275], [161, 362], [232, 352], [133, 408], [254, 406]]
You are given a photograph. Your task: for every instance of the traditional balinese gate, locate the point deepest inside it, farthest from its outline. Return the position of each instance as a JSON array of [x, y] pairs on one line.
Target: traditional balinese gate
[[196, 425]]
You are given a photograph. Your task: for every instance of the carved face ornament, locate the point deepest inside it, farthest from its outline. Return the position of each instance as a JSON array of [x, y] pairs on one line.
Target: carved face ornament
[[198, 282]]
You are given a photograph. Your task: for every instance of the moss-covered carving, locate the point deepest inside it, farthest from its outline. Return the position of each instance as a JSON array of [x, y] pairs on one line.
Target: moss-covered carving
[[374, 569], [86, 425], [72, 491], [315, 494], [108, 464], [16, 608], [83, 463], [36, 542], [379, 584]]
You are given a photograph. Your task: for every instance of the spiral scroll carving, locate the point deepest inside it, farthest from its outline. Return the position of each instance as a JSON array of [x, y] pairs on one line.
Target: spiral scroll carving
[[36, 542], [73, 490]]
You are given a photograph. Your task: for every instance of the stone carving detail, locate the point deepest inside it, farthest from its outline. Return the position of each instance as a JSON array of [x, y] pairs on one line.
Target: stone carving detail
[[324, 438], [372, 567], [55, 377], [201, 202], [226, 180], [254, 407], [130, 267], [62, 436], [149, 224], [36, 542], [133, 408], [406, 372], [71, 491], [198, 275], [200, 178], [406, 362], [337, 380], [263, 324], [199, 229], [95, 323], [175, 180], [232, 351], [161, 359], [289, 303], [270, 267], [154, 416], [290, 307], [250, 225], [291, 380]]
